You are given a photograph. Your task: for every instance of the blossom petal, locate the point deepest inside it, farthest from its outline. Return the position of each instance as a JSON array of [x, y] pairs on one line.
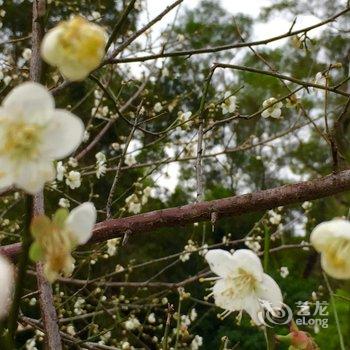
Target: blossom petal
[[31, 102], [223, 300], [335, 270], [324, 233], [220, 261], [269, 291], [81, 221], [32, 176], [248, 261], [74, 71], [6, 178], [254, 308], [50, 50], [276, 113], [6, 283], [63, 135], [265, 113]]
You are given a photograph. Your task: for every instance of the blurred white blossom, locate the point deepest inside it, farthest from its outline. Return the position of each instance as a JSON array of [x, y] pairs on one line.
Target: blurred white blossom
[[273, 108]]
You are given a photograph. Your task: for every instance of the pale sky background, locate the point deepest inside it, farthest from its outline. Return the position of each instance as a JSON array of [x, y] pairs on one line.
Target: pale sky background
[[275, 26]]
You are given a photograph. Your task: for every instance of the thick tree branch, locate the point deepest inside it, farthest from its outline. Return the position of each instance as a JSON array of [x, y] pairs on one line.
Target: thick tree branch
[[231, 206]]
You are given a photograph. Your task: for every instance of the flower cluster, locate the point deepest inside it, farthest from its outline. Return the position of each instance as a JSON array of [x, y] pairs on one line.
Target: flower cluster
[[135, 201], [112, 246], [72, 177], [101, 167], [229, 105], [189, 248]]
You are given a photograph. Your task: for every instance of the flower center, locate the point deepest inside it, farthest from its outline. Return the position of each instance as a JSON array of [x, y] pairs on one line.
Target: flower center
[[240, 285], [82, 43], [57, 246], [21, 140]]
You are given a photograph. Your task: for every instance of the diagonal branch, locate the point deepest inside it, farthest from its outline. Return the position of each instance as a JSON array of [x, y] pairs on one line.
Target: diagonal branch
[[191, 52]]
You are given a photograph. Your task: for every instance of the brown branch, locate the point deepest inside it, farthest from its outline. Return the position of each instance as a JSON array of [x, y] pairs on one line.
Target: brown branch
[[127, 42], [226, 47], [47, 309], [237, 205], [121, 20], [168, 285], [231, 206], [283, 77]]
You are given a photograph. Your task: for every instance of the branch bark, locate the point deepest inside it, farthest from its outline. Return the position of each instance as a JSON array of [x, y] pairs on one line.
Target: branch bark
[[47, 309], [231, 206]]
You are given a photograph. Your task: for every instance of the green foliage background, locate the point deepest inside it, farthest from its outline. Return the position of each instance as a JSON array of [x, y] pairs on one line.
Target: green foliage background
[[207, 25]]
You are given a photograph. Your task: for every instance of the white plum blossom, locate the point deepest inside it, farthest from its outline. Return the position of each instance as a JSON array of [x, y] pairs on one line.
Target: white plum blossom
[[6, 283], [180, 38], [126, 345], [71, 330], [185, 321], [27, 54], [64, 203], [75, 46], [86, 136], [196, 343], [320, 79], [242, 284], [193, 314], [158, 107], [332, 240], [31, 344], [229, 105], [252, 244], [95, 15], [79, 306], [151, 318], [272, 108], [145, 195], [188, 249], [55, 239], [101, 167], [7, 80], [133, 204], [306, 205], [184, 116], [73, 179], [60, 171], [130, 160], [32, 135], [275, 218], [132, 323], [284, 272], [112, 246], [73, 162]]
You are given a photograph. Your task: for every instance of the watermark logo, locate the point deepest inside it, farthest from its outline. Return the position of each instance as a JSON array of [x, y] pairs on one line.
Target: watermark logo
[[307, 314], [271, 316]]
